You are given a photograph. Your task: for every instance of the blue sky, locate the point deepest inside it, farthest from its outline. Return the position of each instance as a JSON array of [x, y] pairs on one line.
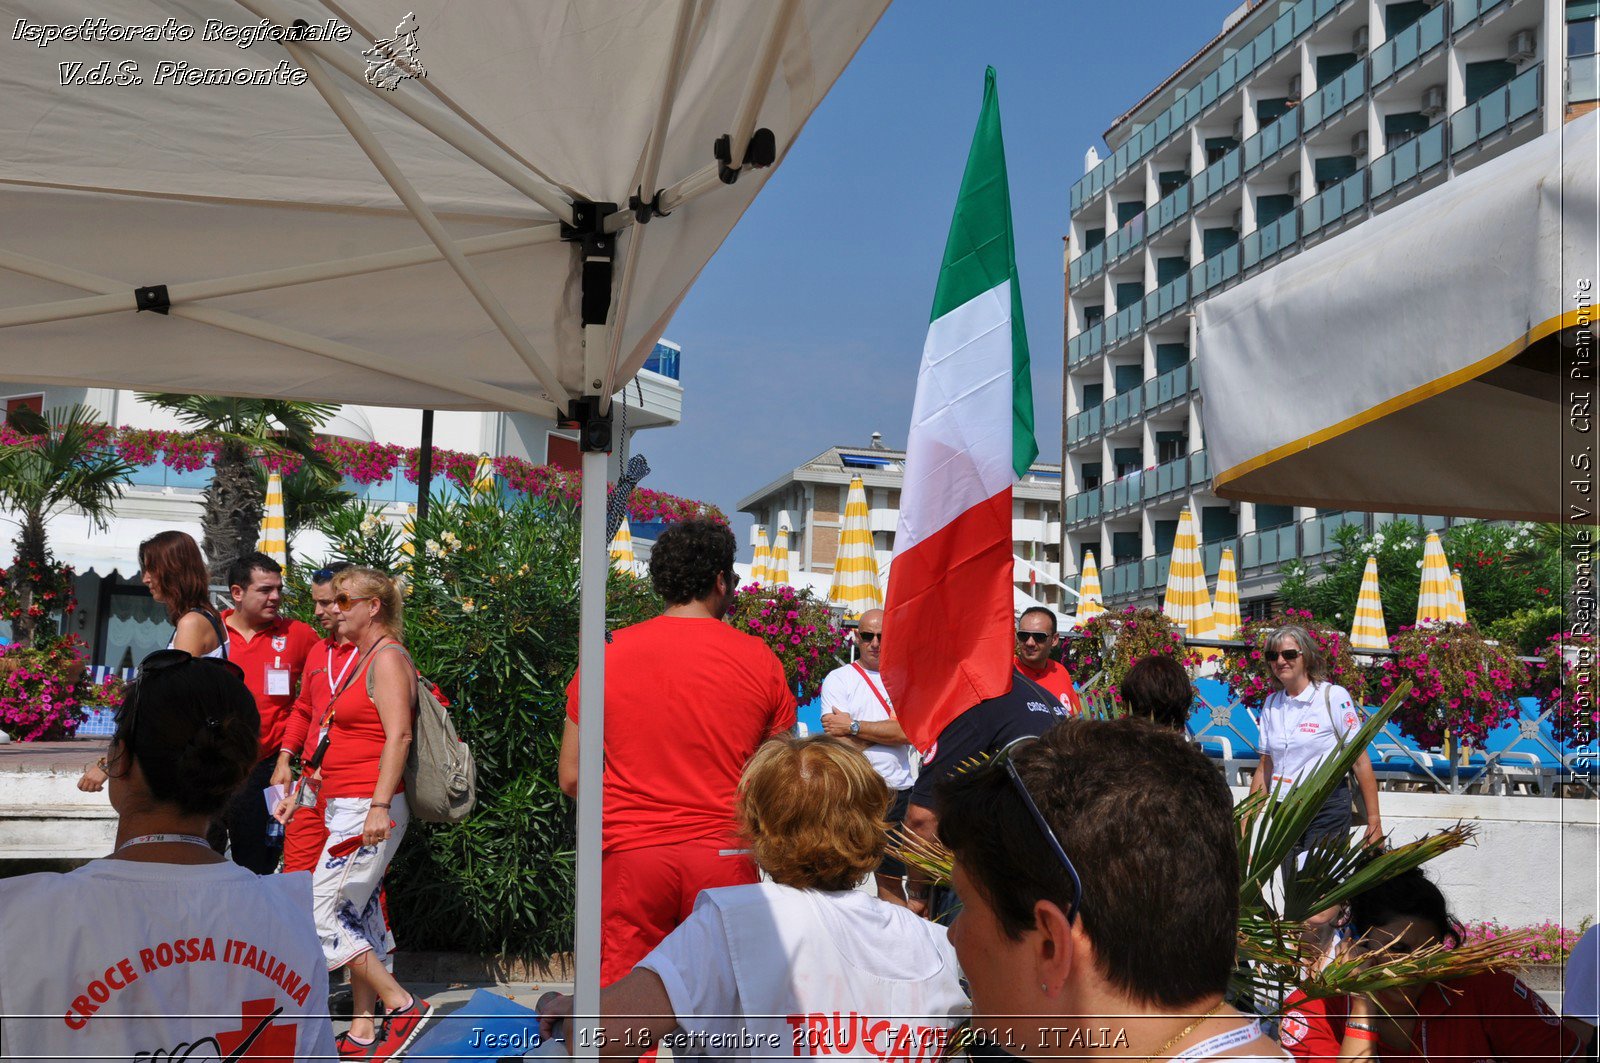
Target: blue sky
[[807, 327]]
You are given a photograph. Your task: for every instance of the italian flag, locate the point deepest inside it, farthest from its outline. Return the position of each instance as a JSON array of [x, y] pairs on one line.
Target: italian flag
[[949, 623]]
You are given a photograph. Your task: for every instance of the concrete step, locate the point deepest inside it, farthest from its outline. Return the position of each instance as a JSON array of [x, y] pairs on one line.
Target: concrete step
[[47, 832]]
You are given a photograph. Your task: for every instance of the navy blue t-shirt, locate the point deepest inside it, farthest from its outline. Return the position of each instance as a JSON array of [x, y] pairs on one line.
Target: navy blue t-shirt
[[1026, 710]]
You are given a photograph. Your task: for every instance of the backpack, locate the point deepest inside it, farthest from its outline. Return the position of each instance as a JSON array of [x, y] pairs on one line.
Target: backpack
[[441, 776]]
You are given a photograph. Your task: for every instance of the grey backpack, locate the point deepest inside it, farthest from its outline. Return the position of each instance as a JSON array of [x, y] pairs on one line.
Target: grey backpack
[[441, 776]]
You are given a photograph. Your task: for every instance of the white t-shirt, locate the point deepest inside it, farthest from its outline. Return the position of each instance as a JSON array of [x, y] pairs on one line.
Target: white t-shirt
[[121, 959], [771, 972], [1299, 733], [851, 689]]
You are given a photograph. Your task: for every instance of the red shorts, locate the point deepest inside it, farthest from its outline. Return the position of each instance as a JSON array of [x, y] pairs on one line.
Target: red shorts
[[646, 893], [304, 838]]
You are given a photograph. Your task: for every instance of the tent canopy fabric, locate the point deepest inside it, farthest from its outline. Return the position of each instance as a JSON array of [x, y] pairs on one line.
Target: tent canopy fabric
[[295, 270], [1410, 363]]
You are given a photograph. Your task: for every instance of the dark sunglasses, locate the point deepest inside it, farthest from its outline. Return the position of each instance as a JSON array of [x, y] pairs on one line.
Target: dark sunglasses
[[1288, 655], [1004, 757], [869, 636], [1033, 636]]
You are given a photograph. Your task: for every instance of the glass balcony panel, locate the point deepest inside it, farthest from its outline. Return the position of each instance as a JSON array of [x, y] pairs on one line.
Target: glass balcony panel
[[1311, 538], [1583, 79], [1492, 113], [1199, 467], [1522, 95], [1269, 549], [1250, 550]]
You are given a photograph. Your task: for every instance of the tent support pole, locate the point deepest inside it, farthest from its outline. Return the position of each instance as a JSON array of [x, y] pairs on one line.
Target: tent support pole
[[595, 441], [424, 215], [425, 465]]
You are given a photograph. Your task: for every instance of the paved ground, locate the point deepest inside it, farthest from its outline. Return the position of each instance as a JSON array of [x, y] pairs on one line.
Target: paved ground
[[50, 756]]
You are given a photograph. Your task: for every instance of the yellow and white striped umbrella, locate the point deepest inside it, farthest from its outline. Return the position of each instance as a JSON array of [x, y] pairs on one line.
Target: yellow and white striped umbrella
[[1458, 600], [761, 563], [1090, 603], [1188, 601], [1436, 598], [855, 568], [1226, 614], [483, 476], [622, 548], [274, 538], [408, 537], [1369, 632], [779, 571]]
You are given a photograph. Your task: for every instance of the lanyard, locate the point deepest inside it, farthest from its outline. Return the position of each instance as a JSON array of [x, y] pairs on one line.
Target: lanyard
[[1213, 1046], [335, 679], [157, 839]]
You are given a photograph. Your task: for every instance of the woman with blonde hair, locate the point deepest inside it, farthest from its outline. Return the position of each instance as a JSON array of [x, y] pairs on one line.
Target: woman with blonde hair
[[358, 771], [802, 965]]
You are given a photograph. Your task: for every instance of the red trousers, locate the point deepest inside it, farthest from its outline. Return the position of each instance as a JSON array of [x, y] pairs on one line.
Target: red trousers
[[647, 892]]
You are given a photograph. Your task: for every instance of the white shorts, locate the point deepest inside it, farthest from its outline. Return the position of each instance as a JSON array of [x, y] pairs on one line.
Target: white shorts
[[344, 889]]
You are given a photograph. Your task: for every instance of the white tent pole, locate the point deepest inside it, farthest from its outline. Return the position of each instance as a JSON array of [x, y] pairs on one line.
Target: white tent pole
[[592, 573], [674, 196], [474, 146], [448, 382], [755, 89], [414, 203], [665, 97], [193, 291]]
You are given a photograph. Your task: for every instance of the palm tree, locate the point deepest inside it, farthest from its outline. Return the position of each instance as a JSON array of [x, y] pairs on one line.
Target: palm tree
[[65, 464], [308, 498], [244, 428]]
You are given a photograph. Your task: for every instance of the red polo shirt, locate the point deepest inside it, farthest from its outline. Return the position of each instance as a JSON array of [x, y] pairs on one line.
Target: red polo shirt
[[329, 662], [281, 647], [1056, 679]]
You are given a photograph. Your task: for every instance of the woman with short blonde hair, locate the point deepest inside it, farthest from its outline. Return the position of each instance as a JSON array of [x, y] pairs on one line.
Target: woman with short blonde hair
[[754, 970]]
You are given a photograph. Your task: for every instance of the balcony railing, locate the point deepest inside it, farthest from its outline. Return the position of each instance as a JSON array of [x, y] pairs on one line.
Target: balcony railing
[[1271, 42], [1465, 12], [1130, 404], [1272, 139], [1344, 198], [1583, 79], [1410, 45], [1171, 296], [1217, 176], [1514, 100], [1271, 239], [1086, 344], [1420, 155], [1331, 100], [1175, 384], [1084, 424]]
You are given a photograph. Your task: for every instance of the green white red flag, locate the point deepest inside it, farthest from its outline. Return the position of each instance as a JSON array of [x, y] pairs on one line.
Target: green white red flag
[[949, 620]]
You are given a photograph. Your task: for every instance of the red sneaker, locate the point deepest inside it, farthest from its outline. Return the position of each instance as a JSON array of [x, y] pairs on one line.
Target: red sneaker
[[349, 1048], [401, 1027]]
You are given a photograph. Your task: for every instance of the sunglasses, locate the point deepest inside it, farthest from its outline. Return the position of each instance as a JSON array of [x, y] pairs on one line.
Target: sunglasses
[[869, 636], [1288, 655], [166, 661], [1033, 636], [343, 601], [1004, 757]]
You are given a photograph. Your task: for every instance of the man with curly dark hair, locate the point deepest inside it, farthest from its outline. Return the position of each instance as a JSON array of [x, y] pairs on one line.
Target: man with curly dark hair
[[688, 701]]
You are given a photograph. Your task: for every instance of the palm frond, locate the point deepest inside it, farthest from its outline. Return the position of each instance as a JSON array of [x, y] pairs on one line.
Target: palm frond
[[1370, 971], [65, 463], [1336, 870]]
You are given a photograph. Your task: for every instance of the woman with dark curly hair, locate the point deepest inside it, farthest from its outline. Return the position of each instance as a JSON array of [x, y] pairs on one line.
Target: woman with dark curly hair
[[688, 700], [805, 964], [164, 949]]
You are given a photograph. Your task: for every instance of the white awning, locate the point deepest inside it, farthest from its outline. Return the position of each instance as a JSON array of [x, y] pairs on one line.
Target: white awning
[[1411, 364], [75, 541]]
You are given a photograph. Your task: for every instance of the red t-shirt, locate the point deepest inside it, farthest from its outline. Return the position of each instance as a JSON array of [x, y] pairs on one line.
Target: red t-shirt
[[1056, 679], [688, 700], [1466, 1020], [272, 659], [328, 663], [350, 768], [1313, 1029]]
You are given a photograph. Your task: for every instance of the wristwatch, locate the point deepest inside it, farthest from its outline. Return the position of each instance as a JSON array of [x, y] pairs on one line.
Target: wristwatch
[[855, 727]]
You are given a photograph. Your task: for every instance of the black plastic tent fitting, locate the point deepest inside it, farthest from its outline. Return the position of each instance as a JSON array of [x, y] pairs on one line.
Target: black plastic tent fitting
[[152, 298]]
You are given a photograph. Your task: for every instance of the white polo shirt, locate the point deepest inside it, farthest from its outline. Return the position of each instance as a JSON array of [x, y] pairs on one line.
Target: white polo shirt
[[857, 691], [1300, 732]]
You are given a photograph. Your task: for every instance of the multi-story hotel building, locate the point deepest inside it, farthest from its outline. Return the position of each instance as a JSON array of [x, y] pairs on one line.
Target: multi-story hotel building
[[807, 505], [1298, 121]]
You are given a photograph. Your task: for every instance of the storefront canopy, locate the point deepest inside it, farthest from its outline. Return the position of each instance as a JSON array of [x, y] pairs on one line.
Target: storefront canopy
[[1411, 364]]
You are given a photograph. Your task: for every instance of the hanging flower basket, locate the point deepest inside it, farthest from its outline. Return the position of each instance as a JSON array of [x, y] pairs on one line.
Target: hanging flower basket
[[1246, 672], [1566, 683], [1461, 683], [1132, 634], [798, 628]]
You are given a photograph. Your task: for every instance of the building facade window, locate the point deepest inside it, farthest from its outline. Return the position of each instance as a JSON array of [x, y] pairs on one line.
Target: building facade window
[[1483, 78], [562, 452], [1268, 516], [24, 402], [1170, 356], [1127, 377]]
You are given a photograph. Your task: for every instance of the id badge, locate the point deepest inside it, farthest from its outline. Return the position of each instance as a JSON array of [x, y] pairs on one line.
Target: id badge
[[277, 682], [305, 795]]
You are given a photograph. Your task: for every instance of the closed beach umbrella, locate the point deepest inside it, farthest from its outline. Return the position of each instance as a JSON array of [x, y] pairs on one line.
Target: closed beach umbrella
[[622, 548], [778, 571], [1458, 600], [1090, 604], [1188, 602], [761, 562], [1369, 632], [274, 539], [1228, 619], [1436, 599], [483, 477], [855, 568], [408, 537]]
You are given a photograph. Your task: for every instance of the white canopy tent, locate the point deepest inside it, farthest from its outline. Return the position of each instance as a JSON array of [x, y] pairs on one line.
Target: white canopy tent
[[1412, 363], [452, 243]]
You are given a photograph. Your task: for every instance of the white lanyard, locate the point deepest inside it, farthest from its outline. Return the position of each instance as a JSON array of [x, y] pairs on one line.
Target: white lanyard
[[1213, 1046], [157, 839], [336, 679]]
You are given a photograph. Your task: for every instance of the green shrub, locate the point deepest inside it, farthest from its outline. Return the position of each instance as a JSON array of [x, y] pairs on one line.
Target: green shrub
[[1527, 630]]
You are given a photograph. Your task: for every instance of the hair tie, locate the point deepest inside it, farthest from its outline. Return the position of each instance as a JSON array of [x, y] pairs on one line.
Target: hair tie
[[211, 722]]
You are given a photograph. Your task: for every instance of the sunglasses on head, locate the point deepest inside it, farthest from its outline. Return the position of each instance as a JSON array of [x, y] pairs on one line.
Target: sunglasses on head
[[1004, 758], [1033, 636], [166, 661], [1288, 655], [869, 636]]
